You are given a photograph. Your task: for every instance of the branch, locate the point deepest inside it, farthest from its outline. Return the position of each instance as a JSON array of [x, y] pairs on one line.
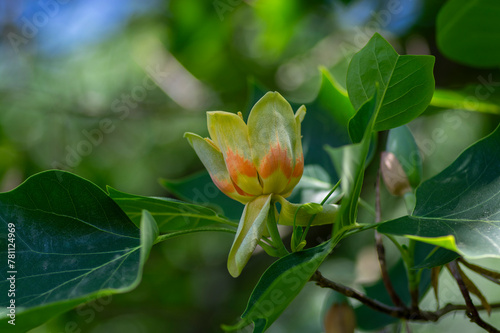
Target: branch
[[471, 310], [397, 312], [486, 273], [349, 292], [457, 307]]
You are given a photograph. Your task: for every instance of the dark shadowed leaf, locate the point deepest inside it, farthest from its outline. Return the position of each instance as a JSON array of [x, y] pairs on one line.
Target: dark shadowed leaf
[[171, 215], [200, 190], [468, 32], [73, 243], [279, 285], [459, 209]]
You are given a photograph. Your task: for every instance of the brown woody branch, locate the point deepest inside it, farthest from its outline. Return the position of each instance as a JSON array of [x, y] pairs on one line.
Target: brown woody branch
[[486, 273], [394, 311], [471, 310]]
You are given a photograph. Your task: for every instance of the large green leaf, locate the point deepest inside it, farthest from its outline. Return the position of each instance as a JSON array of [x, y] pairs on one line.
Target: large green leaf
[[405, 83], [459, 209], [436, 257], [200, 190], [468, 32], [72, 243], [171, 215], [326, 123], [332, 96], [279, 285]]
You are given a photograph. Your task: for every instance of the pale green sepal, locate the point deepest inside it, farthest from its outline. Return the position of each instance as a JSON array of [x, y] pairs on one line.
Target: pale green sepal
[[250, 229], [289, 213]]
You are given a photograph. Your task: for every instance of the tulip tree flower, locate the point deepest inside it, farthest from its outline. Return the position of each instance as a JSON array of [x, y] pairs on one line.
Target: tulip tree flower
[[257, 164]]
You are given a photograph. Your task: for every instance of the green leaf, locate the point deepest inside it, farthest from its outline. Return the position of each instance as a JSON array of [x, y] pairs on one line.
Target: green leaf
[[149, 234], [260, 325], [462, 202], [332, 96], [326, 123], [468, 32], [200, 190], [447, 242], [350, 163], [435, 258], [279, 285], [405, 83], [171, 215], [453, 99], [359, 124], [73, 243]]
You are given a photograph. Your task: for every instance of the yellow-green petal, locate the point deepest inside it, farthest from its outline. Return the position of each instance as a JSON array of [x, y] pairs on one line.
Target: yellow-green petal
[[299, 156], [230, 133], [250, 229], [213, 161], [272, 133]]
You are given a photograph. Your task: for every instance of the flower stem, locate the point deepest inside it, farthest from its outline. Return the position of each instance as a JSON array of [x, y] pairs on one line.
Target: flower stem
[[322, 203], [272, 226]]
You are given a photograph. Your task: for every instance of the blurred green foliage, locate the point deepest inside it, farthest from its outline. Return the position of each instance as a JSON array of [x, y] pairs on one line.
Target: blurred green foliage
[[106, 90]]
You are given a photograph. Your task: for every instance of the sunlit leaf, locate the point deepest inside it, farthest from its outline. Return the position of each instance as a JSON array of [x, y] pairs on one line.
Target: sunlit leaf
[[405, 83], [460, 100]]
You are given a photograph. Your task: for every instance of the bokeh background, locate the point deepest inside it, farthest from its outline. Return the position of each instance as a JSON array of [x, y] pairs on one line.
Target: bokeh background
[[106, 89]]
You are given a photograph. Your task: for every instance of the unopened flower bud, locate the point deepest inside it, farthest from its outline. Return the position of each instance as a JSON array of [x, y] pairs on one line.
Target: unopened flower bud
[[401, 143], [393, 174]]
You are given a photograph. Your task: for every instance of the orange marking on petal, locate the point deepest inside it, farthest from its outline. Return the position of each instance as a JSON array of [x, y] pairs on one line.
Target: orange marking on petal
[[240, 191], [225, 186], [228, 187], [238, 164], [276, 159], [299, 167]]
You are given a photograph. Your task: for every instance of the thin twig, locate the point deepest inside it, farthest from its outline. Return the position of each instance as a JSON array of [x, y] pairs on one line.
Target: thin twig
[[408, 329], [458, 307], [471, 309], [381, 250], [486, 273], [397, 312], [349, 292]]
